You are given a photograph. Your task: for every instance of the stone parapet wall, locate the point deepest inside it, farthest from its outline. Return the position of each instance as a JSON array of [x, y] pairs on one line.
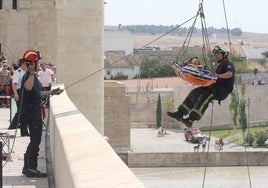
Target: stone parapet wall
[[80, 155], [116, 115], [143, 106], [188, 159]]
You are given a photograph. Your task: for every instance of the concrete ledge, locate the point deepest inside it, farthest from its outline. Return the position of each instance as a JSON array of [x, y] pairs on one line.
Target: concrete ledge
[[189, 159], [81, 157]]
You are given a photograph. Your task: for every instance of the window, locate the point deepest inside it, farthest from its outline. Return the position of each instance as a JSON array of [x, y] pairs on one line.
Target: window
[[14, 4]]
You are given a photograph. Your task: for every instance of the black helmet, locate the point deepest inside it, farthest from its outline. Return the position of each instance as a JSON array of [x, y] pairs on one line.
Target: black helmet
[[221, 50]]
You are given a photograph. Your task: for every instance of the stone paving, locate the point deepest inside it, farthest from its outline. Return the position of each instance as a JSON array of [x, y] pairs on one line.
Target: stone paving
[[147, 140], [12, 176]]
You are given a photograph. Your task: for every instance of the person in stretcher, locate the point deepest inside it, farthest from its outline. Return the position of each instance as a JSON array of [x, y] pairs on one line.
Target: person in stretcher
[[193, 62]]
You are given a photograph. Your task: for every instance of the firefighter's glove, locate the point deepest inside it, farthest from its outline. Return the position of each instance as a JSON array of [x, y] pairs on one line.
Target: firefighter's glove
[[31, 69], [56, 91]]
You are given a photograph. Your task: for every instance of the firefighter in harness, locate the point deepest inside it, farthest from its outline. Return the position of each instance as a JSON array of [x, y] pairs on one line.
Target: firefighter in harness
[[196, 103], [31, 111]]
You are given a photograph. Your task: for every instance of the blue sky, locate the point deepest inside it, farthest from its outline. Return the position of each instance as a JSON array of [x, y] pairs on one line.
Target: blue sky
[[249, 15]]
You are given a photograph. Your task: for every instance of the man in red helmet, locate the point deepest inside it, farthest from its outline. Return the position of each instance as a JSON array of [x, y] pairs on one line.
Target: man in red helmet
[[31, 96], [196, 103]]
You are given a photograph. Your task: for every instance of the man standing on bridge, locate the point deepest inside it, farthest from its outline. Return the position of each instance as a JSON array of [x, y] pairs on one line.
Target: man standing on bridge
[[31, 112]]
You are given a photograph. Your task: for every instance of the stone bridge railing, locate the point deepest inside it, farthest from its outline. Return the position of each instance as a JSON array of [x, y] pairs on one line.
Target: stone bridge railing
[[80, 156]]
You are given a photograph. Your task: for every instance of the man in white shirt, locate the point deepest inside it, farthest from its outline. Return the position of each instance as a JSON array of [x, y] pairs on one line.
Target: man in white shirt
[[16, 87], [46, 77]]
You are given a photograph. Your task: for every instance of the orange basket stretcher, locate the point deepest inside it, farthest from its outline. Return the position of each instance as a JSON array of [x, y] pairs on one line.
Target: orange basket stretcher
[[198, 76]]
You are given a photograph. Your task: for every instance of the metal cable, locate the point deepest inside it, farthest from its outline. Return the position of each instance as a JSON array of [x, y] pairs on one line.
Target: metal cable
[[206, 158], [228, 32], [16, 130], [226, 22], [187, 40], [97, 71]]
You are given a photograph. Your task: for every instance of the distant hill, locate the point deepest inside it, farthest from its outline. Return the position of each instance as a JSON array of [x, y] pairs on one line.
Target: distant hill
[[173, 39], [255, 40]]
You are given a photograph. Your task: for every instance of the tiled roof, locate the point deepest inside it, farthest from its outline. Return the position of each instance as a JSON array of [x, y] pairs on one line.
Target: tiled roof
[[120, 59]]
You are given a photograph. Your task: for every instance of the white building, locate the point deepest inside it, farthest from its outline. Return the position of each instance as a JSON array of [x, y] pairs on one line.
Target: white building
[[118, 62], [118, 51], [116, 39]]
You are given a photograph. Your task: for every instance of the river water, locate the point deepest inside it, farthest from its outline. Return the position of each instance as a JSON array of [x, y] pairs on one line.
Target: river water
[[199, 177]]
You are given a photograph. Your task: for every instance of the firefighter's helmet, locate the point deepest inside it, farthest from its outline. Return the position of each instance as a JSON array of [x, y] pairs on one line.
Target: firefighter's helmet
[[221, 50], [31, 56]]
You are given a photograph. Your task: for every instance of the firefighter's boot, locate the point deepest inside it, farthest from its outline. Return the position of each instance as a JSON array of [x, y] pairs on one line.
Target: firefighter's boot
[[32, 169], [24, 169]]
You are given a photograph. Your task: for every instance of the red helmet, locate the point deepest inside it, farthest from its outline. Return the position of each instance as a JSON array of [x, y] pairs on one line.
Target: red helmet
[[31, 56]]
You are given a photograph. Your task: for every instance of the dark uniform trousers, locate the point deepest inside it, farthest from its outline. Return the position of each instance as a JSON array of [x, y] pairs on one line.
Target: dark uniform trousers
[[197, 101], [32, 115], [18, 119]]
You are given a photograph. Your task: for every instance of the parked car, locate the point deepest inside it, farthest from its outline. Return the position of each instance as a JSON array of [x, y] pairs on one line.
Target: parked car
[[193, 134]]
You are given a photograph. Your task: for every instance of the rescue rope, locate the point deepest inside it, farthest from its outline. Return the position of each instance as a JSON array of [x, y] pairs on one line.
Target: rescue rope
[[18, 121], [205, 39], [17, 125], [120, 59], [245, 150], [206, 157], [202, 75], [226, 22], [92, 74], [205, 44], [187, 40], [246, 154]]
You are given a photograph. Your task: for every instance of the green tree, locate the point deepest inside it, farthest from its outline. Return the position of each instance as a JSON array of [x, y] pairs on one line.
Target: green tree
[[242, 112], [152, 72], [250, 139], [148, 67], [236, 32], [155, 67], [234, 104], [265, 54], [262, 61], [260, 138], [255, 71], [169, 106], [119, 76], [158, 112], [233, 107]]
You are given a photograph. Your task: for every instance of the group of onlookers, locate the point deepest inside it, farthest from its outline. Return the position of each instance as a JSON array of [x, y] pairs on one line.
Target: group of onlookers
[[46, 75], [5, 80]]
